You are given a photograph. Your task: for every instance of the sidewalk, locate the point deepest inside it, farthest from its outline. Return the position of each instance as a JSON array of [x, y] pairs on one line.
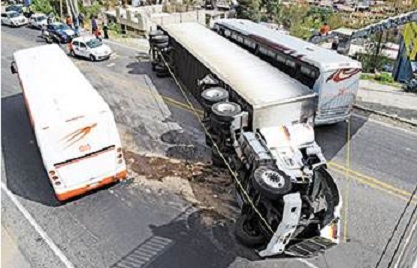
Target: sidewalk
[[387, 100], [11, 257]]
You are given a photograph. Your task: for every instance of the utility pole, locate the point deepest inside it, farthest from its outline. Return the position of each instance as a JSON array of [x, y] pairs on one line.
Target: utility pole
[[60, 8]]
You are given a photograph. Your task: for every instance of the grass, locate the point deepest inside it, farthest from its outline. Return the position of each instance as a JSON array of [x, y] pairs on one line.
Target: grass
[[382, 78]]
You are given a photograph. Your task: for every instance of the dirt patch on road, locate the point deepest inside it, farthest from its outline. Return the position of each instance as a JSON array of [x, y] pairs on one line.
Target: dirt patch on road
[[201, 184]]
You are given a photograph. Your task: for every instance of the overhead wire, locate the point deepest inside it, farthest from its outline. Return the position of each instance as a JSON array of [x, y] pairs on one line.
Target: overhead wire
[[396, 227], [402, 236]]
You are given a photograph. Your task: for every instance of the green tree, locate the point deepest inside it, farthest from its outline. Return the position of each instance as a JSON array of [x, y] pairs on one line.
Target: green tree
[[249, 9], [43, 6], [335, 21]]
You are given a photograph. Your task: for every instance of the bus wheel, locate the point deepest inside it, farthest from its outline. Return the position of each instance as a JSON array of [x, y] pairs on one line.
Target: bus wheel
[[225, 111]]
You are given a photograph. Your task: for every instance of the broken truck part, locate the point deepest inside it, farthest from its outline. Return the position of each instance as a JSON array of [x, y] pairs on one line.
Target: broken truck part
[[259, 124]]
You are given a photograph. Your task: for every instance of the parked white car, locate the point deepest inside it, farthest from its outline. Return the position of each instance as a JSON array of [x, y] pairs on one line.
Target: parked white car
[[38, 20], [90, 47], [13, 18]]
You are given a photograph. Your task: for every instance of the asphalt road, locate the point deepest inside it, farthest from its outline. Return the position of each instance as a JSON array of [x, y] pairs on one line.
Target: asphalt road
[[129, 225]]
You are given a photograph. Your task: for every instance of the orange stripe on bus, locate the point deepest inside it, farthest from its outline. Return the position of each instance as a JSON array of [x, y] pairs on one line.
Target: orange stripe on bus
[[76, 192]]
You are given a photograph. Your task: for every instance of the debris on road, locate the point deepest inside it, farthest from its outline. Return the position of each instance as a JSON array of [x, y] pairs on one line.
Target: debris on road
[[201, 184]]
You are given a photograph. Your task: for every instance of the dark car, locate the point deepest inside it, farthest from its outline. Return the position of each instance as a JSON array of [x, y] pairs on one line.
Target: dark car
[[17, 8], [61, 33]]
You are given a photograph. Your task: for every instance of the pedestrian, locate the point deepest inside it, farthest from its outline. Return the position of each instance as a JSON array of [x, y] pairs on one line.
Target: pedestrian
[[76, 26], [81, 19], [324, 29], [94, 26], [97, 33], [69, 21], [335, 43], [50, 19], [106, 31]]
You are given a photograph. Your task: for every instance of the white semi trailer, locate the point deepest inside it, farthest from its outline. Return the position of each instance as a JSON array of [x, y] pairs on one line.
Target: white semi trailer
[[260, 122]]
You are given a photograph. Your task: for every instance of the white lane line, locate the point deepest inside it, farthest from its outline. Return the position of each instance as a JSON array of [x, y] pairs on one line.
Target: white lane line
[[309, 264], [38, 229]]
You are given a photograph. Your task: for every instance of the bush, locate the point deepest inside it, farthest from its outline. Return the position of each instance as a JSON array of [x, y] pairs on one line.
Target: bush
[[384, 77], [90, 11], [43, 6]]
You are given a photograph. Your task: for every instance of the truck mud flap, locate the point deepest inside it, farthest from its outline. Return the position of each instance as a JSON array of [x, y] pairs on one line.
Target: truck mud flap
[[310, 247]]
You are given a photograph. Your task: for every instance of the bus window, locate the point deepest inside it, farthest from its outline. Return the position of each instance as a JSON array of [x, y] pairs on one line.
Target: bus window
[[280, 58], [227, 33], [240, 39], [290, 63], [263, 50], [271, 54]]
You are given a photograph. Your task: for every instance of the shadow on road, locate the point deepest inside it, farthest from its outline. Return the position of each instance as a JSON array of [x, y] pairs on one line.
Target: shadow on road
[[333, 138], [23, 165], [200, 239]]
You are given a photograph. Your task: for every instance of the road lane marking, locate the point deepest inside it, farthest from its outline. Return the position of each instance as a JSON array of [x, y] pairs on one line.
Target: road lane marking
[[38, 228], [371, 179], [372, 185]]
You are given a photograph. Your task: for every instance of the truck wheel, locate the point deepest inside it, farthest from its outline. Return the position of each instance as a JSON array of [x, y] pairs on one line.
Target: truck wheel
[[273, 183], [247, 231], [225, 111], [213, 95], [159, 39], [161, 68], [216, 159], [162, 75], [154, 64], [161, 45], [152, 34]]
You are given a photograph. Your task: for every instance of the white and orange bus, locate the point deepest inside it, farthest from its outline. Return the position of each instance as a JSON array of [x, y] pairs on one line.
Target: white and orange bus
[[74, 127]]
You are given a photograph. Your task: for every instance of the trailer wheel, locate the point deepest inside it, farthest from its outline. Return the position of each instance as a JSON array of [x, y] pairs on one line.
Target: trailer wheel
[[154, 64], [152, 34], [225, 111], [247, 231], [273, 183], [161, 68], [159, 39], [161, 45], [162, 75], [213, 95]]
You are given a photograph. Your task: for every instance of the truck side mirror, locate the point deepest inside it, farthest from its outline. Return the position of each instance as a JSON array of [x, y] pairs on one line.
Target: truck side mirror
[[13, 68]]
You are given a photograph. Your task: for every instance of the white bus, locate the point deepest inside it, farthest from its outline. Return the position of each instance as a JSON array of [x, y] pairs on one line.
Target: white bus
[[333, 76], [74, 127]]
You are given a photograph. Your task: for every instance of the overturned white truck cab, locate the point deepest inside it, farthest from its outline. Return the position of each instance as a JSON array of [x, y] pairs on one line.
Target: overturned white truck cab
[[259, 124]]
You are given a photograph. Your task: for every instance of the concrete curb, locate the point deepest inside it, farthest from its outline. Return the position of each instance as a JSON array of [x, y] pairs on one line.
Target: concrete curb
[[394, 117]]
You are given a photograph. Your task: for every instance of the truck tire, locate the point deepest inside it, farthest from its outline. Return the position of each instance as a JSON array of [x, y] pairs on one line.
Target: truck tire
[[216, 159], [161, 68], [154, 64], [162, 75], [160, 39], [213, 95], [155, 33], [225, 111], [273, 183], [247, 232], [161, 45]]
